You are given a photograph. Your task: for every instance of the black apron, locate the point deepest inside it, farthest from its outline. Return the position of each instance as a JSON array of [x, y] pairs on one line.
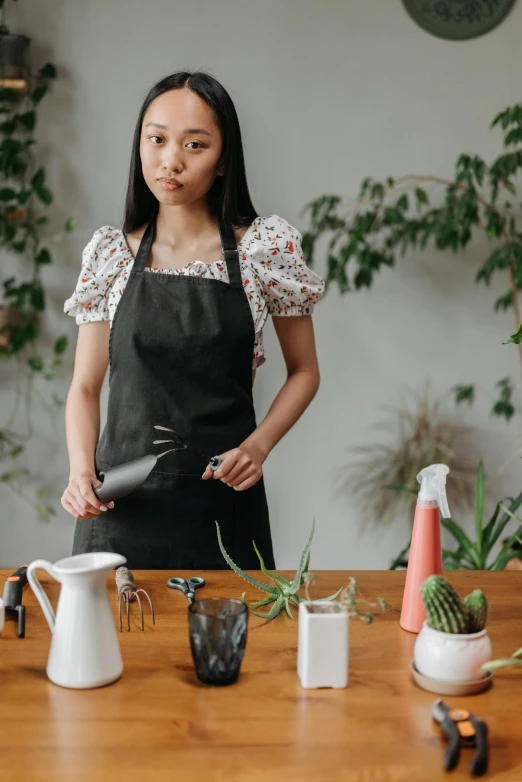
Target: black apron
[[180, 355]]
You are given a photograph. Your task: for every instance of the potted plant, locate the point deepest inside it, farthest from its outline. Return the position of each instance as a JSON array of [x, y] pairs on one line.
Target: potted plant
[[477, 554], [453, 642], [323, 636], [281, 592]]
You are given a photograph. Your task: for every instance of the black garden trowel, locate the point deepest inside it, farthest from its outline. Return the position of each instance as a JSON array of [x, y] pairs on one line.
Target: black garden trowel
[[127, 477]]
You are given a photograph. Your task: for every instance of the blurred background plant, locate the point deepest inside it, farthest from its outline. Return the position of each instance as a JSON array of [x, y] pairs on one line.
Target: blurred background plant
[[24, 195], [422, 433], [395, 216]]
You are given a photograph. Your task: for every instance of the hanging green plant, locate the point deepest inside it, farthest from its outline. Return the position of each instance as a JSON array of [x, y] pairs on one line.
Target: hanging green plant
[[24, 197], [393, 216]]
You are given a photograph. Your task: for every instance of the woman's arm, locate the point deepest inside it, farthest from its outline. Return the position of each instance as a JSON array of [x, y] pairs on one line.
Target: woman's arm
[[82, 418], [242, 466]]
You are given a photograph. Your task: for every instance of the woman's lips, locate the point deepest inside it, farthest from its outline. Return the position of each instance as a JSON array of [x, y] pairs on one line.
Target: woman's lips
[[169, 185]]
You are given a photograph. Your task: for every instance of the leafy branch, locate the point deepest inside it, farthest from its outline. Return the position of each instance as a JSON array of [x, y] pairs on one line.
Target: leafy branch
[[392, 217]]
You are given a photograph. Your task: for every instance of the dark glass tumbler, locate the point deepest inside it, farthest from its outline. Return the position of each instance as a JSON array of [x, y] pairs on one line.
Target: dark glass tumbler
[[218, 634]]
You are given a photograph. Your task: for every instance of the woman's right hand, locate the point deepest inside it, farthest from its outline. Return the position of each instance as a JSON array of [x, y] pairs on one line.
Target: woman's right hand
[[79, 498]]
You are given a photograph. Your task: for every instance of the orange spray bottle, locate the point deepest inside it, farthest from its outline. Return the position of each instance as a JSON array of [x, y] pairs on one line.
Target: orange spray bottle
[[426, 550]]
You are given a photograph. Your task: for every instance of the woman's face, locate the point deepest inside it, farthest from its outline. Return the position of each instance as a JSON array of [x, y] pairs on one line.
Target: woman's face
[[180, 140]]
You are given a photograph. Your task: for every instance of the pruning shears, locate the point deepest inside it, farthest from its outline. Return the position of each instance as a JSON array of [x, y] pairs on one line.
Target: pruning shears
[[462, 728]]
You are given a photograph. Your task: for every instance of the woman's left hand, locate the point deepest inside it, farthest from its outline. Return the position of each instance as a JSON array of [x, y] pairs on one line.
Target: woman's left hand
[[241, 467]]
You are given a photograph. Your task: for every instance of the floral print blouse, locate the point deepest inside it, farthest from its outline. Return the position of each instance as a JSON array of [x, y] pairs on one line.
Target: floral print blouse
[[273, 269]]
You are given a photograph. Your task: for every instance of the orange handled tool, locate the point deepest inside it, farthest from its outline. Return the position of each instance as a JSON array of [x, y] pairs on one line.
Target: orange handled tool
[[12, 597], [462, 728]]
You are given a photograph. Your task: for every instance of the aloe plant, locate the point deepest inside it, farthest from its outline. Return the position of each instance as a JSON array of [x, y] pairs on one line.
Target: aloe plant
[[476, 554], [281, 592]]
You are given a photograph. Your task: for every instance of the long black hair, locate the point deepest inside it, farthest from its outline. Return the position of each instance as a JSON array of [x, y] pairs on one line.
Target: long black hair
[[228, 197]]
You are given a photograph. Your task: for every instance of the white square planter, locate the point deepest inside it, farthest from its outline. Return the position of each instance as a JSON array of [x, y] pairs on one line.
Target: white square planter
[[322, 650]]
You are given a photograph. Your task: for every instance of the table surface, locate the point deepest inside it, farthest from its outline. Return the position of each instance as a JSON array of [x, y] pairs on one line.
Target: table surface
[[158, 722]]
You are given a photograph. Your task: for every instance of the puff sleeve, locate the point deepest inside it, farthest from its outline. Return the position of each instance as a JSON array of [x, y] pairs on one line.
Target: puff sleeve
[[290, 287], [101, 265]]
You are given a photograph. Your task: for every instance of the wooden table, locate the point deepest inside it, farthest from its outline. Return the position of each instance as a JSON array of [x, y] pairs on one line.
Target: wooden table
[[158, 722]]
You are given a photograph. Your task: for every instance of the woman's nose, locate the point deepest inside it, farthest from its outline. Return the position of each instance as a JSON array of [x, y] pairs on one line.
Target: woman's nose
[[173, 159]]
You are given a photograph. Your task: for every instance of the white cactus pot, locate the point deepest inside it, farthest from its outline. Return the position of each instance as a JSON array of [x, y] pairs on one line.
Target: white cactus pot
[[322, 651], [451, 657]]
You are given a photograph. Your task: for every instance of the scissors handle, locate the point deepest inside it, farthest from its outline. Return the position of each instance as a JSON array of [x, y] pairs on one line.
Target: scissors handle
[[196, 582], [187, 587]]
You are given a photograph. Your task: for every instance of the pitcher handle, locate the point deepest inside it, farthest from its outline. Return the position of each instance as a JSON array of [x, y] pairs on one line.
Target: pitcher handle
[[39, 590]]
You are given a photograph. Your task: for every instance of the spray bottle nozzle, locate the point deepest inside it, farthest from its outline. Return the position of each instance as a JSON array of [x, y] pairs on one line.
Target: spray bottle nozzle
[[433, 486]]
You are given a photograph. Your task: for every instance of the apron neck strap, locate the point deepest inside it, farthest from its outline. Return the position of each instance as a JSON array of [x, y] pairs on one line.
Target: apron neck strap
[[228, 244], [230, 253]]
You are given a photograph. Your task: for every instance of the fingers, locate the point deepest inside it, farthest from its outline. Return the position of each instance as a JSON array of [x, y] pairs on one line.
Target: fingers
[[243, 483], [208, 473], [80, 500], [230, 460]]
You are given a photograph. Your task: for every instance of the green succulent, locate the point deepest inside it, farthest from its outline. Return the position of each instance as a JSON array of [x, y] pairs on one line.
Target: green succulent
[[281, 592], [476, 610], [444, 608]]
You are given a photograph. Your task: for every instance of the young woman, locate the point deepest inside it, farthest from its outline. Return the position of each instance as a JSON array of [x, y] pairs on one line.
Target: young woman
[[175, 303]]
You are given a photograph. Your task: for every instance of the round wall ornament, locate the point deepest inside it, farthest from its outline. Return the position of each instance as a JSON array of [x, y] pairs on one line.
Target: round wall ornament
[[457, 20]]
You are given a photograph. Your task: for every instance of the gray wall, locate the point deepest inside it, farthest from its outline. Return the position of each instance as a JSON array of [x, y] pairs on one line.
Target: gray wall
[[327, 93]]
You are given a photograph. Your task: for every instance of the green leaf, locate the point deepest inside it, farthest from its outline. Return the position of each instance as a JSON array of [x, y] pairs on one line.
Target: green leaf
[[28, 120], [44, 195], [44, 256], [257, 603], [7, 194], [464, 394], [494, 531], [422, 197], [273, 612], [259, 584], [461, 537], [70, 225], [48, 71], [494, 664], [399, 558], [36, 363], [479, 507], [61, 345], [305, 558], [38, 178], [38, 93], [268, 573], [516, 338]]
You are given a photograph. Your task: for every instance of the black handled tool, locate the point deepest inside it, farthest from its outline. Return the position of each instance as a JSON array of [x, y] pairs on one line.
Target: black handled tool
[[12, 597], [127, 477], [462, 728]]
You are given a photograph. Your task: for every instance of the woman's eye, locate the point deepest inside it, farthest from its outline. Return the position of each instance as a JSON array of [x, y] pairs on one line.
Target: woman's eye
[[151, 137], [196, 142]]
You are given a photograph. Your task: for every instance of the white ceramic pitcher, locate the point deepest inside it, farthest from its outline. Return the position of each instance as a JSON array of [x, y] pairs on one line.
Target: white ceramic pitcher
[[85, 651]]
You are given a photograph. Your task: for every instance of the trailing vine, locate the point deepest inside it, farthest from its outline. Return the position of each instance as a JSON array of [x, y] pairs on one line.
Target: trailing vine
[[24, 197]]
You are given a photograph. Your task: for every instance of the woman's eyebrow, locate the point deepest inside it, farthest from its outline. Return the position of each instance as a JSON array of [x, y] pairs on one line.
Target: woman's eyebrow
[[186, 131]]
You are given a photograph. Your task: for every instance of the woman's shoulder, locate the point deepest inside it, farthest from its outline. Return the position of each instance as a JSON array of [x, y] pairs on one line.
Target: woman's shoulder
[[273, 238], [106, 260], [106, 248], [272, 225]]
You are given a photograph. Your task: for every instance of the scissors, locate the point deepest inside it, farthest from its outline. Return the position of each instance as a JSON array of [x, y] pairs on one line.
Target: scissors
[[188, 587]]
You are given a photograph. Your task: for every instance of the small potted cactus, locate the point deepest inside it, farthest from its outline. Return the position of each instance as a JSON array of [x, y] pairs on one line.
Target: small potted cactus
[[453, 642]]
